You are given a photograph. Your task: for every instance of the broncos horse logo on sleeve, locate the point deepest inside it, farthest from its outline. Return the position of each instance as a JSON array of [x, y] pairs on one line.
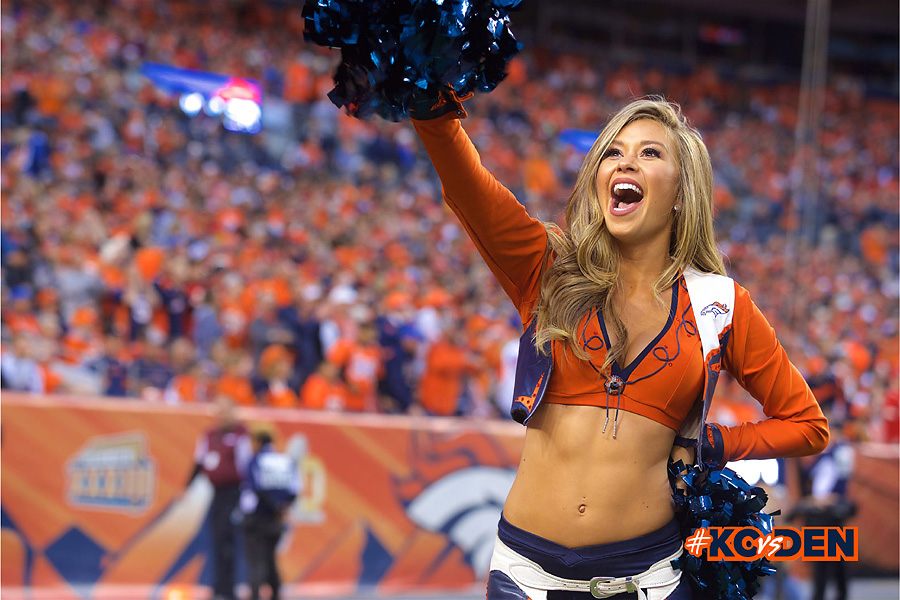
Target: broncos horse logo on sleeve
[[716, 309]]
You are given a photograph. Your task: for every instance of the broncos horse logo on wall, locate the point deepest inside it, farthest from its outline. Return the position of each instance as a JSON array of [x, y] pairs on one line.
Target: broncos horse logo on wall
[[465, 506], [716, 309], [456, 488]]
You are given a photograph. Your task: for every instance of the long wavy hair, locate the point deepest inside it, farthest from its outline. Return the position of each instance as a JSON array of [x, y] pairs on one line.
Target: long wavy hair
[[585, 267]]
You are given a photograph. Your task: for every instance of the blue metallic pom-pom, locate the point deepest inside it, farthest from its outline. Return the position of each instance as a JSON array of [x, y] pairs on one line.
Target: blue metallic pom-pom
[[393, 49], [720, 498]]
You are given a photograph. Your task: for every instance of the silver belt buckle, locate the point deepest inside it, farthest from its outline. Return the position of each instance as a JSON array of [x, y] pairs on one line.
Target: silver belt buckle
[[597, 593]]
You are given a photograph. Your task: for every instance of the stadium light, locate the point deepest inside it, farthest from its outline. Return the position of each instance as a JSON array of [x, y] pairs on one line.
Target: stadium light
[[237, 100], [215, 106], [242, 115], [191, 103]]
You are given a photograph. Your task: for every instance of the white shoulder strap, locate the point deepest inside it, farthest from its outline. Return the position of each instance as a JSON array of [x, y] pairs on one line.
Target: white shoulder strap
[[712, 298], [712, 301]]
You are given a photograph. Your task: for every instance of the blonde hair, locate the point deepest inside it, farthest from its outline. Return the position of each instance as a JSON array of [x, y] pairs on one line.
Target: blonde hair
[[585, 266]]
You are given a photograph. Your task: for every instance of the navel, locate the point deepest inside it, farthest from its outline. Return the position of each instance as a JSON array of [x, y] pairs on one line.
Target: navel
[[582, 508]]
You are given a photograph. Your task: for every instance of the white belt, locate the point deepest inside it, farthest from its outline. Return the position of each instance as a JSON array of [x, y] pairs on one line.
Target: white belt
[[657, 582]]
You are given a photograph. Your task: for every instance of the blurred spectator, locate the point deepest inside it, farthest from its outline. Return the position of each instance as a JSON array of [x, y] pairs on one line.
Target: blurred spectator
[[17, 270], [270, 487], [83, 343], [21, 373], [825, 387], [301, 319], [234, 379], [446, 369], [361, 361], [114, 367], [398, 335], [190, 383], [174, 299], [20, 316], [275, 367], [206, 329], [222, 454], [324, 390], [506, 377], [266, 329], [891, 413], [827, 503], [153, 371]]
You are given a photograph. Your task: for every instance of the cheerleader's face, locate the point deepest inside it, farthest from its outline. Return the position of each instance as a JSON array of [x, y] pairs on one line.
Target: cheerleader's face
[[638, 184]]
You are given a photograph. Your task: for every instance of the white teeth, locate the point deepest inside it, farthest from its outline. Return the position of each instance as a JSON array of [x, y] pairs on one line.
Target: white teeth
[[627, 186]]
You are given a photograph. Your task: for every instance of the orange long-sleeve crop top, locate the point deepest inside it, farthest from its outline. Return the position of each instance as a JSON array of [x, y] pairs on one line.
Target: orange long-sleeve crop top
[[665, 380]]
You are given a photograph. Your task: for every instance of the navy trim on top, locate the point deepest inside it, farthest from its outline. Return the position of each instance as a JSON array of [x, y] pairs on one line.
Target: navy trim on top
[[627, 371]]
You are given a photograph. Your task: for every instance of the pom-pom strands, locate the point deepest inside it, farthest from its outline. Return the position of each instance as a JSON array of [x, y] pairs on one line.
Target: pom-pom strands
[[393, 49], [720, 498]]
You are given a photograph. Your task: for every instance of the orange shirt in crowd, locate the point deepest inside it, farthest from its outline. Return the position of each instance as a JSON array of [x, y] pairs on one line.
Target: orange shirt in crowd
[[276, 288], [363, 366], [186, 388], [230, 219], [235, 322], [873, 242], [321, 394], [299, 83], [22, 323], [50, 93], [149, 262], [52, 379], [280, 395], [77, 348], [442, 381], [237, 388]]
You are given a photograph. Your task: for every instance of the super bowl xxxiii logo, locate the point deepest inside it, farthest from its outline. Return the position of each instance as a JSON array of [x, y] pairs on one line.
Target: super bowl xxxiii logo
[[782, 543], [112, 472]]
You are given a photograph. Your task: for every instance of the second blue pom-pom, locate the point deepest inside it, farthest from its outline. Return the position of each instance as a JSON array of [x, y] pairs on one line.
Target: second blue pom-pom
[[720, 498]]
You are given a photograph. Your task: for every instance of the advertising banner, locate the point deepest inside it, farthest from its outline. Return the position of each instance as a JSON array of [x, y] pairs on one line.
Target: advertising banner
[[96, 500]]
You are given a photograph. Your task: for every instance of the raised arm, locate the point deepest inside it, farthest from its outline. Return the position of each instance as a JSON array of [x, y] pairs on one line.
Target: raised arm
[[796, 425], [511, 242]]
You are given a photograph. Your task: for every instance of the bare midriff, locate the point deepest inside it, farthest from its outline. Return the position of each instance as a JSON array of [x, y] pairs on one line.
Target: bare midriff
[[577, 486]]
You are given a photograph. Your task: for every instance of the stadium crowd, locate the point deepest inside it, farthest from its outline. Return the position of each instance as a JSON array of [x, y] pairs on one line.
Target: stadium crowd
[[153, 255]]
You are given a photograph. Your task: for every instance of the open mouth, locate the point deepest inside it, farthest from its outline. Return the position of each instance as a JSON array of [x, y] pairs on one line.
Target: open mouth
[[626, 197]]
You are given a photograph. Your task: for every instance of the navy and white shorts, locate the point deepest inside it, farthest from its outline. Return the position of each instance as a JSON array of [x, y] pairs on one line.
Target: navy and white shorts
[[615, 559]]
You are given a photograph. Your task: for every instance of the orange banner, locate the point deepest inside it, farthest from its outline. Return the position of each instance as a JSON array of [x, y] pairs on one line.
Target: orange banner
[[94, 502], [94, 499]]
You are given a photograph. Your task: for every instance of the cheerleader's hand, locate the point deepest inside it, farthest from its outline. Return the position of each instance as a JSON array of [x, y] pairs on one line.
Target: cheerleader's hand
[[426, 108]]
